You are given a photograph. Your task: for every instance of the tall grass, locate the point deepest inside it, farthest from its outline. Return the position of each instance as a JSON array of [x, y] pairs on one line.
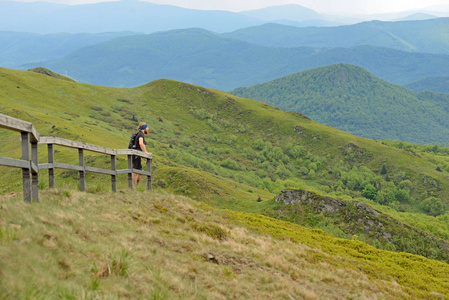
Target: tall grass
[[159, 246]]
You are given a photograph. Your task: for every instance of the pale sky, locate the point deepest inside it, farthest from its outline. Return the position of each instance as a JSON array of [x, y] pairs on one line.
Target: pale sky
[[321, 6]]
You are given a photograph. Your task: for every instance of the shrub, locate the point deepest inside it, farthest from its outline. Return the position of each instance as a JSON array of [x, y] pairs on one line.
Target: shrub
[[370, 192], [230, 164], [211, 230], [433, 206], [402, 195]]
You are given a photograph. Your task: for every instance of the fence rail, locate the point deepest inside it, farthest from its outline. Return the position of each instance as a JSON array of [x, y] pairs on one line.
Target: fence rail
[[30, 139]]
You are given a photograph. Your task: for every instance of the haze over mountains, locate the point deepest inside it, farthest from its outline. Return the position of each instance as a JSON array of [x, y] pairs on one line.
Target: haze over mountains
[[415, 36], [211, 60], [147, 17], [399, 52]]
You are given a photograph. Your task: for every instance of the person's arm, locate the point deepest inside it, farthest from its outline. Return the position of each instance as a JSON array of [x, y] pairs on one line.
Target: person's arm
[[142, 146]]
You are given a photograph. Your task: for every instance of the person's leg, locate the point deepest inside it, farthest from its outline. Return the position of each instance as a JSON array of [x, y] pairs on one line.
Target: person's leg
[[135, 182], [137, 164]]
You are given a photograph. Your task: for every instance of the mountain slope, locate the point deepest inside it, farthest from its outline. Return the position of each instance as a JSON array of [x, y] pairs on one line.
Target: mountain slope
[[428, 36], [227, 151], [351, 99], [207, 59], [160, 246]]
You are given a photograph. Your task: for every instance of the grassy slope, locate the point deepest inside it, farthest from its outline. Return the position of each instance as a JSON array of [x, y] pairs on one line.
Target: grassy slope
[[180, 140], [160, 246]]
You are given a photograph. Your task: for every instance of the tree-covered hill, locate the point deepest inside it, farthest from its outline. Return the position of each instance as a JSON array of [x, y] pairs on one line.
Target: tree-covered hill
[[351, 99], [229, 152], [205, 58], [435, 84], [428, 36]]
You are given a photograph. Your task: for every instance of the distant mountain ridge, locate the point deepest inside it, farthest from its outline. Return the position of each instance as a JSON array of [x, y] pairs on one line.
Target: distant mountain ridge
[[18, 48], [290, 12], [435, 84], [351, 99], [211, 60], [426, 36], [137, 16]]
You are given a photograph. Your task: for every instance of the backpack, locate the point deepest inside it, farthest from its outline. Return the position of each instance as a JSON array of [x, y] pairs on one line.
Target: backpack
[[132, 141]]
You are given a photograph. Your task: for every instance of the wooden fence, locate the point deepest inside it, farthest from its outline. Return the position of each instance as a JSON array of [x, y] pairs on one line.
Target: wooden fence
[[30, 139]]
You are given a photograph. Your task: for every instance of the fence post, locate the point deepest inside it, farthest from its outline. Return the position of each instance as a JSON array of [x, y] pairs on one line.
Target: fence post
[[26, 172], [114, 169], [83, 171], [51, 171], [150, 177], [35, 173], [130, 175]]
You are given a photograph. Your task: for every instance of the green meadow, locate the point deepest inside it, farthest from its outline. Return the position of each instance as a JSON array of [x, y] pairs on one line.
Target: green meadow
[[206, 230]]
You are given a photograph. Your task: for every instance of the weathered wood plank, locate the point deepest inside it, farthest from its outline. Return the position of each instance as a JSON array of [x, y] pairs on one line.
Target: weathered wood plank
[[114, 175], [26, 172], [149, 177], [67, 167], [124, 171], [14, 163], [130, 175], [82, 171], [99, 170], [76, 145], [45, 166], [133, 152], [141, 172], [14, 124], [51, 170], [34, 172]]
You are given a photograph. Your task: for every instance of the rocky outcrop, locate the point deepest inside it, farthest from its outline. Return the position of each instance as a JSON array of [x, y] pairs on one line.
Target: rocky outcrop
[[325, 204], [358, 218]]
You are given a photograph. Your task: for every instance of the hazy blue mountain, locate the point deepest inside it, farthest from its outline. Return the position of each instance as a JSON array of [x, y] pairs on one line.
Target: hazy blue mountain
[[438, 84], [395, 66], [417, 17], [129, 15], [351, 99], [290, 12], [208, 59], [17, 48], [429, 36], [195, 56]]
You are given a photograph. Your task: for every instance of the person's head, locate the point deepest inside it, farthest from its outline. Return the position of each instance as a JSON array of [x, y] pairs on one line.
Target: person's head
[[143, 127]]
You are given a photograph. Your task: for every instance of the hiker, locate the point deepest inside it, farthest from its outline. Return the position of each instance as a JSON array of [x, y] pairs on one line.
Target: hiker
[[139, 145]]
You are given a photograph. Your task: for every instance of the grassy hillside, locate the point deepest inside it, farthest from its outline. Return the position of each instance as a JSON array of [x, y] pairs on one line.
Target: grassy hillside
[[226, 151], [205, 58], [158, 246], [428, 36], [351, 99]]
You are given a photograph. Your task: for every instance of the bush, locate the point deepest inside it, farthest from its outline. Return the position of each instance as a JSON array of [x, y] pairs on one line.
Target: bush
[[402, 195], [433, 206], [370, 192], [230, 164]]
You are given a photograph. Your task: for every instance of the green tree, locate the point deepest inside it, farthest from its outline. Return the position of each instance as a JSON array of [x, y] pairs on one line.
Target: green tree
[[370, 192], [433, 206]]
